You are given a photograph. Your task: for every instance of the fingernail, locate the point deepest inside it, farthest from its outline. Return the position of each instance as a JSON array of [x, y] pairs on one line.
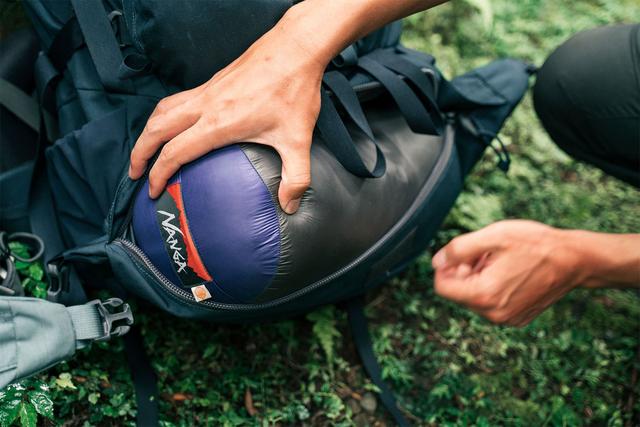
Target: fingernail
[[439, 259], [130, 175], [292, 206]]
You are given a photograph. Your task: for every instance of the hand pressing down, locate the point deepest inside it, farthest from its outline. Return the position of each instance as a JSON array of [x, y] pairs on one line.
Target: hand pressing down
[[511, 271], [270, 95]]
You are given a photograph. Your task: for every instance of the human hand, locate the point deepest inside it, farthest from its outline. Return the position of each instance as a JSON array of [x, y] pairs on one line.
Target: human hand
[[270, 95], [510, 271]]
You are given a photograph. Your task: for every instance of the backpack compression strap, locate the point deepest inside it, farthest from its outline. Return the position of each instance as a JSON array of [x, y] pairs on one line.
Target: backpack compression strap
[[362, 339], [36, 334]]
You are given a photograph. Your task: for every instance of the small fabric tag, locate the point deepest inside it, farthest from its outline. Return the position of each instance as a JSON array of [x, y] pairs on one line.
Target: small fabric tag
[[200, 293]]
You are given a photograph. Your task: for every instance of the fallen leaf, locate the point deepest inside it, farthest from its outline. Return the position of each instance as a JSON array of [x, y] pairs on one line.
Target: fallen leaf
[[248, 403]]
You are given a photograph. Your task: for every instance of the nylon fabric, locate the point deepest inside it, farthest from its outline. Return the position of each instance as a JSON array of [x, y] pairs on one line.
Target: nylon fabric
[[231, 219], [102, 44], [34, 335], [174, 34], [410, 158]]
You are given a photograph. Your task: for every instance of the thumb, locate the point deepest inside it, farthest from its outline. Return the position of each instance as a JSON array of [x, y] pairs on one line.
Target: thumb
[[466, 249], [296, 176]]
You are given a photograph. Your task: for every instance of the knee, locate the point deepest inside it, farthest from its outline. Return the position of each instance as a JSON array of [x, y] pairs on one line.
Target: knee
[[563, 92], [577, 76], [550, 98]]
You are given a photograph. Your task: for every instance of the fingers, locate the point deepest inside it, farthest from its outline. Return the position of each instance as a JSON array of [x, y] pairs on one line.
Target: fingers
[[474, 290], [169, 119], [468, 249], [462, 285], [486, 292], [296, 175], [176, 99], [184, 148]]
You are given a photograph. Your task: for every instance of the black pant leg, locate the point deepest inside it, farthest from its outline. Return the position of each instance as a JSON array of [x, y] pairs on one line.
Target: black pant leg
[[587, 96]]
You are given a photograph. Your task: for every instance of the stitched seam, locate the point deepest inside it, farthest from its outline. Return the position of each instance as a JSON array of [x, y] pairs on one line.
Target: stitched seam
[[15, 340], [113, 203], [279, 265], [491, 88], [135, 30], [143, 270], [8, 368], [123, 180]]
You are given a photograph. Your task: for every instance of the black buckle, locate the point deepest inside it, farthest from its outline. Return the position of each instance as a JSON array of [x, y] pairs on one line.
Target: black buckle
[[58, 277], [112, 311]]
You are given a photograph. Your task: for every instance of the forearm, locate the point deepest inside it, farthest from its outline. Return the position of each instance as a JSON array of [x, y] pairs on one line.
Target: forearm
[[322, 28], [606, 260]]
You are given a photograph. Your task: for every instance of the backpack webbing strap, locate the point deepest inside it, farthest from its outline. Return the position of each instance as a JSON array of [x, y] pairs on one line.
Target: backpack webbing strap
[[41, 214], [26, 108], [413, 110], [337, 138], [36, 334], [336, 134], [102, 43], [419, 79], [344, 93], [360, 333], [143, 378], [19, 103], [66, 42]]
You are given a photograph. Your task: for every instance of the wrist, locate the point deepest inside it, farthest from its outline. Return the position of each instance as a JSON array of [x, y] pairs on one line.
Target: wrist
[[320, 29], [585, 260], [594, 260]]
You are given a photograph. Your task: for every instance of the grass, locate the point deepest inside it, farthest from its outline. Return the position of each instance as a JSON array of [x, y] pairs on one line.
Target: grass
[[577, 364]]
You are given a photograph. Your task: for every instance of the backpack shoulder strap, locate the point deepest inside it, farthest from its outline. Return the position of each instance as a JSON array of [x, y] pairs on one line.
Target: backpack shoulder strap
[[25, 107], [36, 334]]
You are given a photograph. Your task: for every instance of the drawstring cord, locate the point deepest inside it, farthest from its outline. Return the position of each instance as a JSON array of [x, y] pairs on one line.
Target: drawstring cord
[[504, 160]]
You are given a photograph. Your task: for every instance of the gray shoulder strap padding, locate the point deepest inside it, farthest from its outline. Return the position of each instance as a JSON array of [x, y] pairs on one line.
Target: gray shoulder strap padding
[[36, 334]]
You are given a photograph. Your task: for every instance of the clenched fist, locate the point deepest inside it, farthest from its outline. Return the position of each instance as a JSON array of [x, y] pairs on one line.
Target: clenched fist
[[511, 271]]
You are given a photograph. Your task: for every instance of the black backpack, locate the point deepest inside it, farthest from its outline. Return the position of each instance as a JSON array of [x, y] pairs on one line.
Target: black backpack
[[394, 142]]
